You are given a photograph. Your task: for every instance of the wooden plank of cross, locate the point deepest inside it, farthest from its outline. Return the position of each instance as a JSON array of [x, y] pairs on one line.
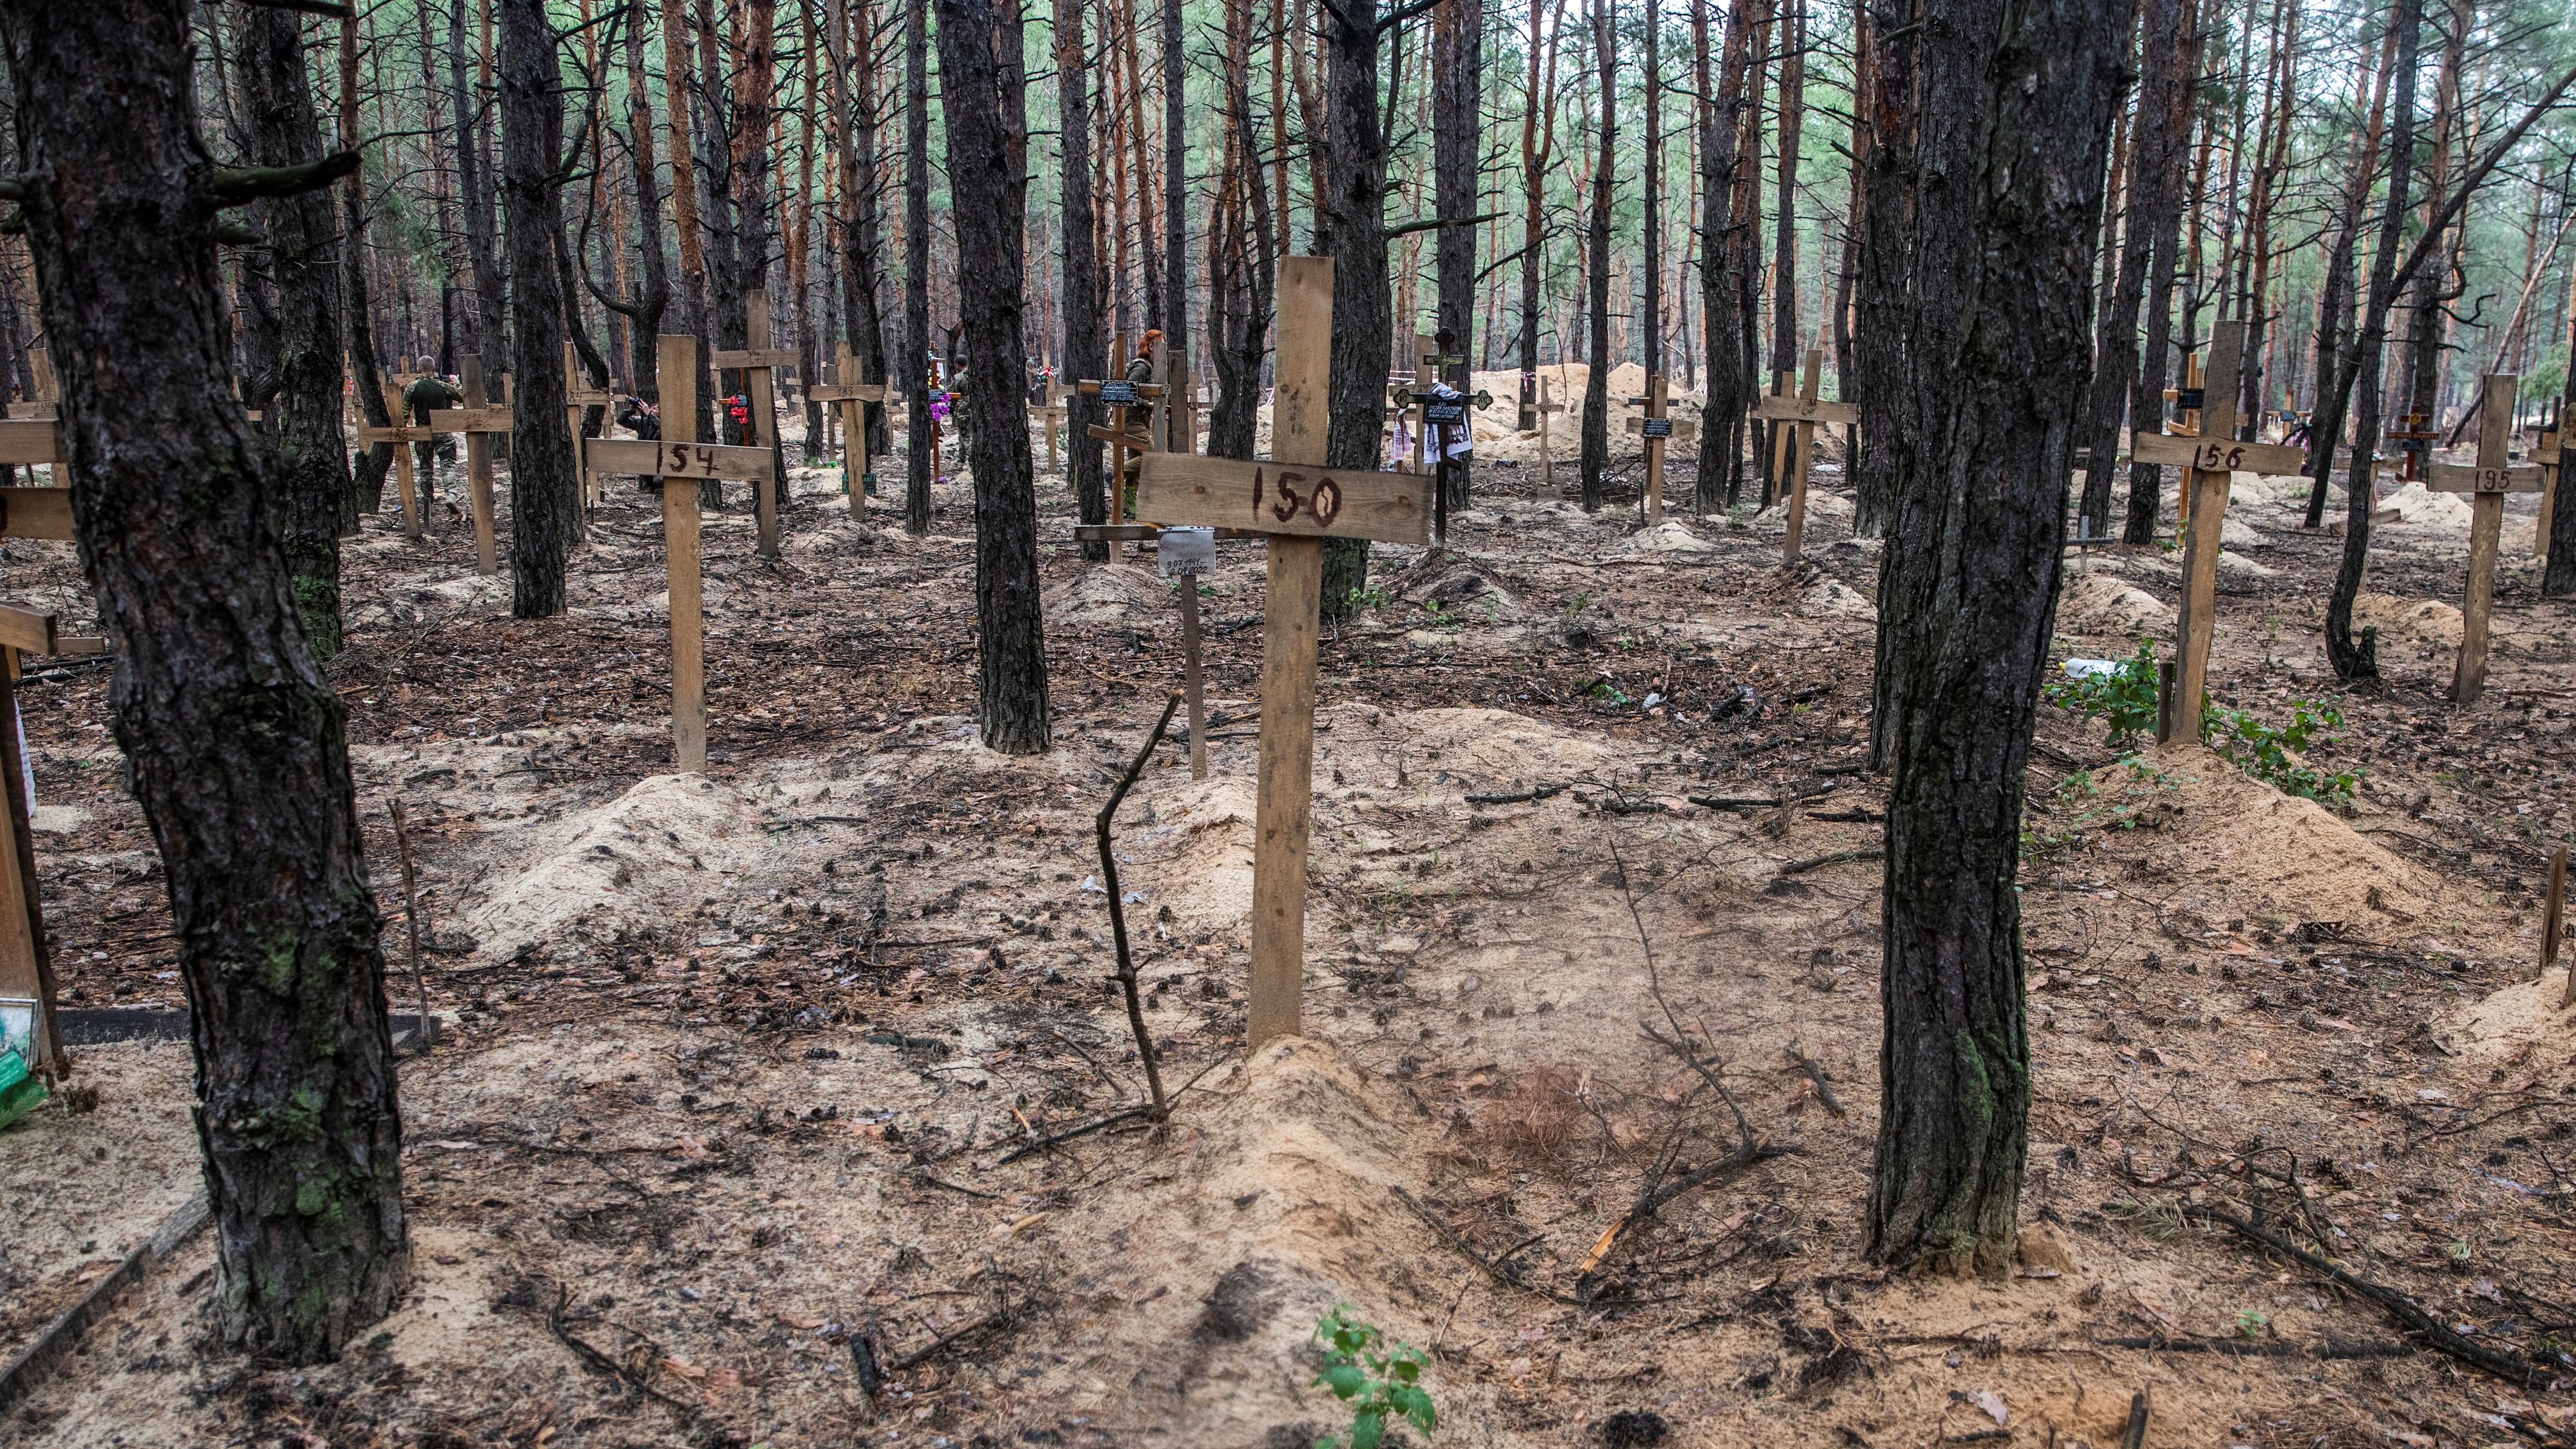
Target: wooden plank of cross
[[2209, 462], [402, 435], [1298, 503], [682, 463], [1658, 429], [1121, 395], [2494, 475], [1049, 416], [756, 364], [847, 395], [1546, 459], [2545, 456], [594, 486], [478, 419], [1802, 413], [46, 401], [25, 972]]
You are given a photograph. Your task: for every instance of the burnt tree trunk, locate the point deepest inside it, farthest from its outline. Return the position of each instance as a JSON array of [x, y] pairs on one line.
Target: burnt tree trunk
[[983, 92], [1351, 215], [474, 178], [369, 493], [1992, 122], [914, 375], [2115, 358], [545, 504], [1596, 384], [2358, 376], [1538, 143], [234, 741], [1086, 350], [1721, 430], [2155, 214], [644, 310], [1458, 81], [309, 481]]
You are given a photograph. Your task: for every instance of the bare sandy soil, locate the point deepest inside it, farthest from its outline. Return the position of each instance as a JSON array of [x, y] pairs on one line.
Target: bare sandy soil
[[728, 1140]]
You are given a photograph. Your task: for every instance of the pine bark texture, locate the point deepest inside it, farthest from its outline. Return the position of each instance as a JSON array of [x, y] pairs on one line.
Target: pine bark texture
[[1730, 392], [913, 376], [1992, 121], [1352, 217], [2155, 213], [1086, 349], [309, 478], [234, 741], [545, 503], [1595, 457], [1458, 80], [2115, 361], [983, 93]]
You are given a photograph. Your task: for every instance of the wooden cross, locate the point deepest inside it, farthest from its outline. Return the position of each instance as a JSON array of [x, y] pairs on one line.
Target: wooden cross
[[1298, 503], [1047, 415], [2487, 482], [594, 486], [1546, 460], [1176, 412], [1658, 429], [682, 462], [2546, 455], [1426, 371], [1121, 395], [478, 420], [2209, 462], [756, 363], [1802, 412], [2415, 441], [26, 972], [401, 435], [846, 394]]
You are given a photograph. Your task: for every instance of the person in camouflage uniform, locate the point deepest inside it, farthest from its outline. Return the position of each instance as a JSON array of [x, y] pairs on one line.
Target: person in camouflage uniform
[[426, 394]]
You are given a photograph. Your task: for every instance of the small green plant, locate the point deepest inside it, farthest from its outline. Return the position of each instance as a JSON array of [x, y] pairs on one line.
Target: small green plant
[[2143, 801], [2265, 751], [1605, 690], [2250, 1323], [1381, 1381], [1575, 606], [1368, 597], [2124, 698], [1440, 616]]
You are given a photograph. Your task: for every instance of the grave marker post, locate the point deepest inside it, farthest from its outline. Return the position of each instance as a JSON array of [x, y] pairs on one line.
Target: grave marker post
[[755, 362], [1800, 415], [2546, 455], [1658, 428], [402, 435], [849, 397], [478, 419], [2486, 483], [576, 398], [681, 462], [1298, 503], [2209, 461], [1546, 461], [26, 972]]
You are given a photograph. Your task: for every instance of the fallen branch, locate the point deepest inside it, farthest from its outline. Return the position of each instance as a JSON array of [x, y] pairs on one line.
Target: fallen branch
[[602, 1363], [1839, 857], [1493, 1267], [1817, 1074], [1142, 1109], [2509, 1367], [1517, 797]]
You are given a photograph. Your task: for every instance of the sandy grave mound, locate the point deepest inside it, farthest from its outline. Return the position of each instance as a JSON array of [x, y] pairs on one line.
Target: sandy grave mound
[[1479, 745], [2427, 620], [1110, 594], [2234, 533], [1456, 583], [621, 869], [1196, 858], [2099, 603], [1834, 599], [2270, 490], [2416, 505], [1670, 536], [2241, 849]]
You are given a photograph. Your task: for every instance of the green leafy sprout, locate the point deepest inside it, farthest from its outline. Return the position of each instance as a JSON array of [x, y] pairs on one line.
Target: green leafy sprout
[[1380, 1380]]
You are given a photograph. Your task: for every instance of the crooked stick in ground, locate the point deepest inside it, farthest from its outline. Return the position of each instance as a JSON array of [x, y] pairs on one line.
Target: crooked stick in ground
[[1118, 909]]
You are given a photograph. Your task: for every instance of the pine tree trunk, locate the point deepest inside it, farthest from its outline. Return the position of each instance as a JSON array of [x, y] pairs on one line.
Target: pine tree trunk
[[1596, 386], [1722, 417], [2358, 377], [983, 99], [1458, 81], [234, 741], [545, 505], [2155, 215], [473, 170], [1086, 351], [372, 464], [644, 311], [2115, 362], [914, 374], [308, 444], [1993, 123], [1538, 142], [1352, 219], [1176, 192], [1651, 217]]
